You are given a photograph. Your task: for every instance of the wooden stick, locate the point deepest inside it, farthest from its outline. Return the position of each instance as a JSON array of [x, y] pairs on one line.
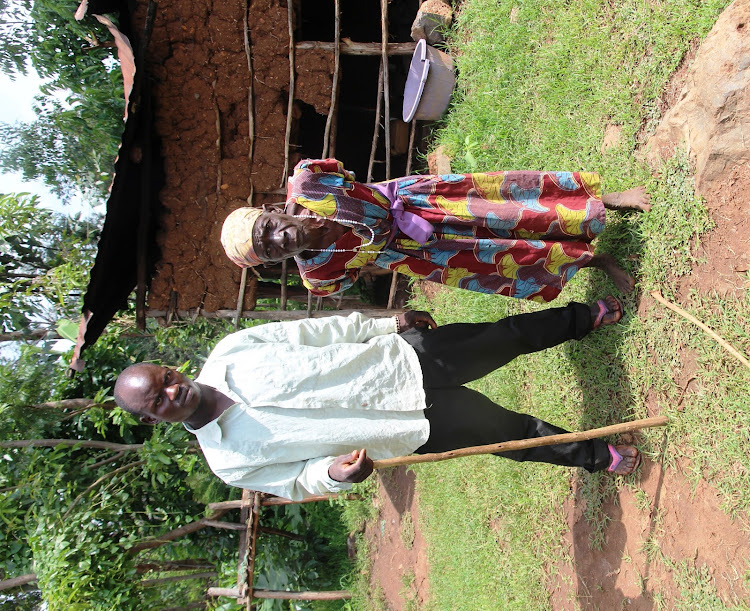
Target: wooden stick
[[52, 443], [277, 500], [392, 291], [282, 594], [231, 592], [722, 342], [523, 444], [335, 86], [386, 85], [244, 544], [410, 152], [376, 131], [224, 525], [290, 103], [252, 525], [284, 288], [280, 533], [372, 312], [240, 297], [349, 47], [218, 140], [160, 580], [175, 534], [16, 582], [250, 94], [140, 96]]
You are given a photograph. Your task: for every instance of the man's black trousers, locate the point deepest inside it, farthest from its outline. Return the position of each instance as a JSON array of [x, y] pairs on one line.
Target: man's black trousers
[[461, 417]]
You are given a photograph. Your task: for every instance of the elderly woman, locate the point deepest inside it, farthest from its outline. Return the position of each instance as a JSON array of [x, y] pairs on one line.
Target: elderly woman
[[519, 234]]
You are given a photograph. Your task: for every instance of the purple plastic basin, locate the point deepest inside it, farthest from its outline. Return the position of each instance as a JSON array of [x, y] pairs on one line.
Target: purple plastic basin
[[429, 84]]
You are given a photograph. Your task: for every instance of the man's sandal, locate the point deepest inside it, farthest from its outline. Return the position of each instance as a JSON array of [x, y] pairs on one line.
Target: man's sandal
[[604, 309], [617, 458]]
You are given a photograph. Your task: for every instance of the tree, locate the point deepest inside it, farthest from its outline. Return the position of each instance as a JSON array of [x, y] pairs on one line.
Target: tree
[[71, 145], [71, 514], [66, 146], [44, 263]]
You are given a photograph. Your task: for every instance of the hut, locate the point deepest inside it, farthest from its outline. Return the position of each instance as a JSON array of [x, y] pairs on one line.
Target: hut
[[227, 97]]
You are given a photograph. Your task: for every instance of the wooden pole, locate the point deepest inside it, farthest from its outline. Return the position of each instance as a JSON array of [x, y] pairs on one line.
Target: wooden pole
[[240, 297], [290, 102], [141, 97], [309, 310], [386, 86], [179, 565], [277, 500], [349, 47], [524, 444], [335, 86], [53, 443], [376, 130], [231, 592], [17, 582], [171, 579], [283, 314], [250, 90], [282, 595], [217, 118], [392, 292], [284, 287], [244, 543], [175, 534], [280, 533], [224, 525], [252, 542], [721, 341], [410, 152]]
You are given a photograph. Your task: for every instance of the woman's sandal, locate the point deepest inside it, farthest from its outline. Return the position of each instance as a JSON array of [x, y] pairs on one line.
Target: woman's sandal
[[617, 458], [604, 310]]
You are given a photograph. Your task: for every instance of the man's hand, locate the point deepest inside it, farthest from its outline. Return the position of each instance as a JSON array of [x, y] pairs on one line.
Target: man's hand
[[351, 468], [414, 318]]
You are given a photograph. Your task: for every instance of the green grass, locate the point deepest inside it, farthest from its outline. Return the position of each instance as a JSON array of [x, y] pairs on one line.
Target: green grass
[[540, 82]]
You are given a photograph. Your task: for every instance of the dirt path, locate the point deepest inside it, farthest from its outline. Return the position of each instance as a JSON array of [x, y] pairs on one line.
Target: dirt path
[[663, 515], [399, 553]]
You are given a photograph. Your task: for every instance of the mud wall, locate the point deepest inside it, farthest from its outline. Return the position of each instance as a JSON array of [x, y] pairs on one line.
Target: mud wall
[[198, 67]]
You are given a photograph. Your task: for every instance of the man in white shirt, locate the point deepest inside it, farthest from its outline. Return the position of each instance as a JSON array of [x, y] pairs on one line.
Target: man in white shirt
[[301, 408]]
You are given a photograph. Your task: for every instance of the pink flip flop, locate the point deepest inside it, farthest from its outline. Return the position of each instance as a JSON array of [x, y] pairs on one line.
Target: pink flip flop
[[617, 459], [604, 310]]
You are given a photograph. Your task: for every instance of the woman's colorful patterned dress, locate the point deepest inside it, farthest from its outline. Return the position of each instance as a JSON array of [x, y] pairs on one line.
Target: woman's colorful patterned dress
[[519, 234]]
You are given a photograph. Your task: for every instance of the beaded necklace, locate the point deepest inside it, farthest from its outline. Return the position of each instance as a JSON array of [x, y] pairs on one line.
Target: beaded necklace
[[358, 249]]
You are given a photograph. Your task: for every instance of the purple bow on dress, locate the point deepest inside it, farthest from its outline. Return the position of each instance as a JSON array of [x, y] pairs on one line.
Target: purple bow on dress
[[407, 223]]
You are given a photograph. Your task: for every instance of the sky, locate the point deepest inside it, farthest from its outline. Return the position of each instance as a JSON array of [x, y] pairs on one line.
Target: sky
[[16, 104]]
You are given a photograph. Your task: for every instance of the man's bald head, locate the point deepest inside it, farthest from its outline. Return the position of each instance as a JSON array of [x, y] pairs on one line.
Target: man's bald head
[[157, 393], [126, 379]]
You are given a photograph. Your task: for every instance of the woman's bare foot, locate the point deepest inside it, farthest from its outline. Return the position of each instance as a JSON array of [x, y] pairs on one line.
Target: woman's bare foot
[[630, 458], [606, 311], [632, 199], [623, 281]]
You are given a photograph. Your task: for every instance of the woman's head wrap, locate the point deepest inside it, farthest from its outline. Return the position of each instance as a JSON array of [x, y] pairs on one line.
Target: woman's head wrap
[[237, 236]]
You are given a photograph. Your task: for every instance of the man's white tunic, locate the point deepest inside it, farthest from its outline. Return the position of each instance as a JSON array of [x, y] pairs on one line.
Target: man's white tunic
[[307, 391]]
